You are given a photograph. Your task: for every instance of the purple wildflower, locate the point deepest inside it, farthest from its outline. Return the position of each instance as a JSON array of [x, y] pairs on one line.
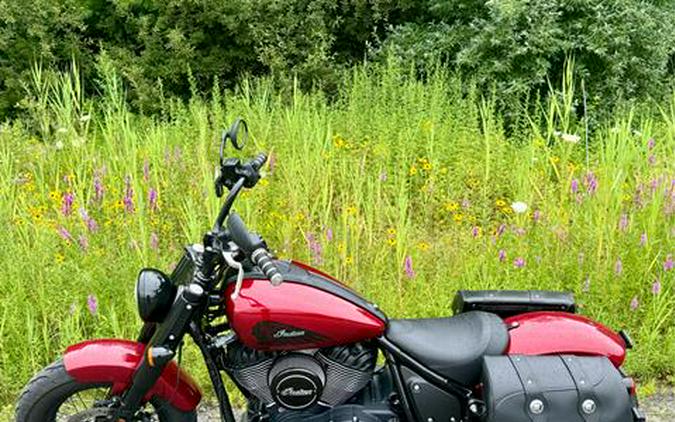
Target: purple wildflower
[[623, 222], [154, 241], [536, 216], [383, 176], [501, 229], [651, 144], [475, 231], [128, 196], [67, 203], [329, 234], [84, 242], [152, 199], [668, 263], [88, 221], [634, 303], [92, 304], [502, 255], [591, 183], [409, 267], [643, 239], [99, 189], [519, 262], [618, 266], [146, 170], [314, 248], [466, 203], [651, 160], [574, 186], [65, 234], [656, 286]]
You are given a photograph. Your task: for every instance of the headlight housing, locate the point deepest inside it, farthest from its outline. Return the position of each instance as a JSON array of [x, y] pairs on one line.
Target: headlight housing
[[155, 294]]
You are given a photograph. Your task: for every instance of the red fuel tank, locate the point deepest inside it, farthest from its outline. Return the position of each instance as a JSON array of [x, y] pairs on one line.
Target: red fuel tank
[[308, 310]]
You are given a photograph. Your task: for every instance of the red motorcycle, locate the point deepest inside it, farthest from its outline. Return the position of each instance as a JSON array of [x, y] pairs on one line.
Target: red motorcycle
[[301, 346]]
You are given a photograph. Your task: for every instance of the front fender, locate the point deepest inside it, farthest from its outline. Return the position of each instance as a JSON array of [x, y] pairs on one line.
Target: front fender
[[552, 333], [114, 361]]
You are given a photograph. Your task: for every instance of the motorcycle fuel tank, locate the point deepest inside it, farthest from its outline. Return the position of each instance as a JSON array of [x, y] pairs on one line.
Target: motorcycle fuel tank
[[308, 310]]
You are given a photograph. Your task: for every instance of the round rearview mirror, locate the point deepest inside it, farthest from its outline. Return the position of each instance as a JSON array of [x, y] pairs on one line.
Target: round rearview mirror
[[238, 133]]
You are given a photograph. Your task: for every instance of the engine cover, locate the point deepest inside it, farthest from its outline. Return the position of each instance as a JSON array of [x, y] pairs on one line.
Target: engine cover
[[296, 381], [301, 380]]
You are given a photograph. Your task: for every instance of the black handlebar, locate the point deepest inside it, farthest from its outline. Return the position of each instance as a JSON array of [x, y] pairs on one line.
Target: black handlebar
[[253, 246]]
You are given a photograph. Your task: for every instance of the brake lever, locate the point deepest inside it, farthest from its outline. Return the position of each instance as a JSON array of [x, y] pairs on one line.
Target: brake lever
[[233, 263]]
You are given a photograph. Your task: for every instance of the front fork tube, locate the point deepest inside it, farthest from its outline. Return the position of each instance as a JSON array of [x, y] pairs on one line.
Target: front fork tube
[[161, 348]]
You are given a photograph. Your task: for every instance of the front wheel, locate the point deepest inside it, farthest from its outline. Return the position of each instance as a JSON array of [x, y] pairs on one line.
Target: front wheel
[[54, 396]]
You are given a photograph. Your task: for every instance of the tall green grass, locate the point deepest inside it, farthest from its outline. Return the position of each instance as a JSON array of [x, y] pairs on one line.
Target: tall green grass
[[402, 188]]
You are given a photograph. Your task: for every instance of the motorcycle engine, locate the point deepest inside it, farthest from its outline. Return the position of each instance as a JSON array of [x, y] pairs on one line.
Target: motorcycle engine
[[300, 381]]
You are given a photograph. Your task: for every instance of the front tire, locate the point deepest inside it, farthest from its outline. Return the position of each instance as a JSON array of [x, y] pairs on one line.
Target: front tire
[[45, 394]]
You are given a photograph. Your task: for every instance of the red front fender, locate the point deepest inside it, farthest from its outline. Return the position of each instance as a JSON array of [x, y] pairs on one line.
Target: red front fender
[[114, 361], [552, 333]]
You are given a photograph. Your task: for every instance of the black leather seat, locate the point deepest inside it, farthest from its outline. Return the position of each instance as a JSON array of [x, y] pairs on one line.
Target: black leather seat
[[453, 346]]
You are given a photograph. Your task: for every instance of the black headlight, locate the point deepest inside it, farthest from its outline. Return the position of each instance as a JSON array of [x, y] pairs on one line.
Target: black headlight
[[154, 295]]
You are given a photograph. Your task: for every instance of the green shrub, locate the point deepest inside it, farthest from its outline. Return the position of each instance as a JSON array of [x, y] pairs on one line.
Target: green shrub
[[622, 48]]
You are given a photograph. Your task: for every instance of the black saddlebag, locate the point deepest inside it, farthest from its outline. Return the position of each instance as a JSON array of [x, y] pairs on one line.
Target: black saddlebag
[[506, 303], [555, 389]]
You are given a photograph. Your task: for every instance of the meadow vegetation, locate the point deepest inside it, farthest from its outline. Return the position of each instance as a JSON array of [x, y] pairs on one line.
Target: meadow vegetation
[[406, 189]]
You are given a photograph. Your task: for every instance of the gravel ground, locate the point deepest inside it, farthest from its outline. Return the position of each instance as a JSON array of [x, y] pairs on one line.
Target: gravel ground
[[659, 407]]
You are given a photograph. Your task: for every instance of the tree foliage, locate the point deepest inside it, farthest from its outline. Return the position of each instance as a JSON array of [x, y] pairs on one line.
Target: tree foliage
[[623, 48]]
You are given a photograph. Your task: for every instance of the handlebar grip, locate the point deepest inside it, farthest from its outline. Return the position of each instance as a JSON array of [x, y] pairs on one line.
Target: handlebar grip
[[240, 233], [263, 259], [259, 161]]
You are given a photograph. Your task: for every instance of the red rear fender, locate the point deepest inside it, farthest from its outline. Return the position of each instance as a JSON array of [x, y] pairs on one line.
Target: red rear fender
[[114, 361], [546, 333]]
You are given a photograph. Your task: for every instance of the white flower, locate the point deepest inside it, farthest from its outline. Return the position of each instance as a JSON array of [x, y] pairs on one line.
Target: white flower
[[567, 137], [59, 145], [573, 139], [85, 118], [519, 207]]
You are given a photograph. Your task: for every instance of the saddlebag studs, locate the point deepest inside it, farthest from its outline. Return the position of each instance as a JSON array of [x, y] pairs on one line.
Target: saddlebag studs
[[556, 391], [537, 407], [589, 407]]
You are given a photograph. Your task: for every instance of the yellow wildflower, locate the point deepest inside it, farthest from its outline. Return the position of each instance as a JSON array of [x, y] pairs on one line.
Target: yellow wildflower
[[500, 203], [413, 171], [458, 218], [59, 258], [54, 195], [391, 241], [451, 206], [339, 142], [424, 246], [391, 231], [426, 166], [350, 210], [341, 247], [349, 260]]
